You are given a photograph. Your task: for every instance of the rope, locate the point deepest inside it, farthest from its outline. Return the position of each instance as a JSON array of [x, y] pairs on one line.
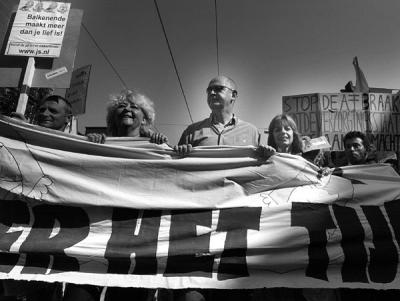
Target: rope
[[105, 57], [173, 60]]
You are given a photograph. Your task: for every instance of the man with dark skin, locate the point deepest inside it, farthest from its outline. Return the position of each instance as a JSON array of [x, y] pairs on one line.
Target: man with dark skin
[[222, 127], [356, 148]]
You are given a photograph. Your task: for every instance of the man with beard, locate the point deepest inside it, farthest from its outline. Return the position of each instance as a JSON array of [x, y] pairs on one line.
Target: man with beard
[[356, 147]]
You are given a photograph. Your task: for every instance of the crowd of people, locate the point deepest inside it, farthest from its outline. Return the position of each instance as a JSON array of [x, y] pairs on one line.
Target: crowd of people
[[131, 114]]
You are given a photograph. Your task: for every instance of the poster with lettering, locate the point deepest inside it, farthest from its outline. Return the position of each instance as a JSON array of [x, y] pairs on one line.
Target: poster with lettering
[[305, 111], [384, 111], [76, 94], [38, 29], [341, 113], [220, 218], [327, 114]]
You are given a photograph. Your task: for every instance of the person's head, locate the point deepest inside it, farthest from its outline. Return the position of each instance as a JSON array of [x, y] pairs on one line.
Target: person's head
[[356, 147], [221, 94], [284, 136], [55, 112], [129, 111]]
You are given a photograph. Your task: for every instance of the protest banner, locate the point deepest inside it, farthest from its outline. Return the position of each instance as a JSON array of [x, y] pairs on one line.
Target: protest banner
[[384, 110], [334, 114], [305, 110], [138, 216]]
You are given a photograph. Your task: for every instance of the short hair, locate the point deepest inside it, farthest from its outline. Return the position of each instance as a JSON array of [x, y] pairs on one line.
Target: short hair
[[144, 103], [357, 134], [57, 98], [233, 85], [285, 120]]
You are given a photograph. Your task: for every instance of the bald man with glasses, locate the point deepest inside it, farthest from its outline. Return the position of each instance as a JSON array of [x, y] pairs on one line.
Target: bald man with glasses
[[222, 127]]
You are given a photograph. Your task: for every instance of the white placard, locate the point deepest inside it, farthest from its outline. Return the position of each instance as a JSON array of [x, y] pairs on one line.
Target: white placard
[[38, 29]]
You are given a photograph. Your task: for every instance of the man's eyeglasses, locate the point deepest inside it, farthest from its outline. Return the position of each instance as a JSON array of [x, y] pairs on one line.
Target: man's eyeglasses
[[218, 89]]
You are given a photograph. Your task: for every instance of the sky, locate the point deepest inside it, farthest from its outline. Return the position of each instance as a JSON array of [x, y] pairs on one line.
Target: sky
[[271, 48]]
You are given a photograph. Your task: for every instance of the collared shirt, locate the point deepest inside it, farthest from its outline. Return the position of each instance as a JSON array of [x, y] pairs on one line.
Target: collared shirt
[[207, 133]]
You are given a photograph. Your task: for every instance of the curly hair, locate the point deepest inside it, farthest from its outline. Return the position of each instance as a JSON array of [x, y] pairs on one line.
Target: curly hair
[[357, 134], [132, 97], [285, 120]]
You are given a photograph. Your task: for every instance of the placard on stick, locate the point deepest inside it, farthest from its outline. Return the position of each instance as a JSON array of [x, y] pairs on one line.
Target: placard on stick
[[49, 72], [38, 29], [76, 94]]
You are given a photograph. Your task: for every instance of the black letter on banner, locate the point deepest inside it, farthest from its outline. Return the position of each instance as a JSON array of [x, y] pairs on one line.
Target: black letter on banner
[[11, 212], [236, 222], [354, 267], [123, 242], [189, 252], [316, 218], [74, 227], [393, 212], [384, 258]]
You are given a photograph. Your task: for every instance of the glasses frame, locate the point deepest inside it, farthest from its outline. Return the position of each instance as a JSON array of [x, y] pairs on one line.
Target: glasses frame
[[218, 89]]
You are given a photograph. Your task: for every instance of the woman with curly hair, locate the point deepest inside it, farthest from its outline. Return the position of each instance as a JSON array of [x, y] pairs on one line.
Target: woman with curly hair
[[130, 114]]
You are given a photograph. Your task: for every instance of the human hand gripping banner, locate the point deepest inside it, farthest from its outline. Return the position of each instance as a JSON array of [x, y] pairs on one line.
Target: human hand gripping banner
[[139, 216]]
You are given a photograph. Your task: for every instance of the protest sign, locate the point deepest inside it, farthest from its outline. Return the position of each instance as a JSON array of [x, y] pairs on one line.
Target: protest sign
[[384, 111], [76, 93], [12, 67], [335, 114], [305, 110], [140, 217], [38, 29]]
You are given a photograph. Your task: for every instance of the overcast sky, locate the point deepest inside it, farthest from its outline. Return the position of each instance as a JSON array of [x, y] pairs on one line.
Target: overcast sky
[[271, 48]]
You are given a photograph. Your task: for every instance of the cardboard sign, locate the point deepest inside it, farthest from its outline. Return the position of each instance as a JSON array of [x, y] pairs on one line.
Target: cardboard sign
[[38, 29], [334, 114], [76, 94], [384, 121]]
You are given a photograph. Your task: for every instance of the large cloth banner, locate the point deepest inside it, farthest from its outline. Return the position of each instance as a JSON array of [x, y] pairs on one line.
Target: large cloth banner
[[133, 214]]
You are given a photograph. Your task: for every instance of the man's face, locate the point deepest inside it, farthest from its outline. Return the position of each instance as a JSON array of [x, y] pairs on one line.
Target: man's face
[[355, 151], [129, 114], [52, 115], [220, 95]]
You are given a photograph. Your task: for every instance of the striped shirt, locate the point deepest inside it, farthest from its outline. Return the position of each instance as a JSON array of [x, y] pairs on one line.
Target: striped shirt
[[206, 133]]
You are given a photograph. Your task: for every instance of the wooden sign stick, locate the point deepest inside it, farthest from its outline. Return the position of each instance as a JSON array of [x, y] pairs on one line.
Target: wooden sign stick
[[26, 85]]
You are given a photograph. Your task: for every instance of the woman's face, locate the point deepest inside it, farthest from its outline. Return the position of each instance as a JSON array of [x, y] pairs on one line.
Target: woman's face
[[129, 114], [283, 137]]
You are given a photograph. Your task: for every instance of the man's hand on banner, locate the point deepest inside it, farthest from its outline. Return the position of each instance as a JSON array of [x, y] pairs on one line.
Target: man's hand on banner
[[183, 150], [265, 151], [96, 138], [324, 171], [18, 116]]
